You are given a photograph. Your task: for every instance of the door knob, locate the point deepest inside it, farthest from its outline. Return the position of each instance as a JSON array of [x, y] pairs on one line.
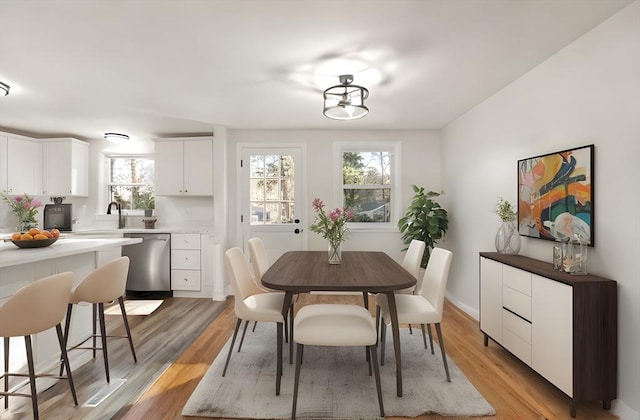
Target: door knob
[[297, 231], [296, 221]]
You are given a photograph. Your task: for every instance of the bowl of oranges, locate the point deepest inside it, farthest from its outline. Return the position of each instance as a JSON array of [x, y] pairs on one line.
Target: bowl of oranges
[[35, 238]]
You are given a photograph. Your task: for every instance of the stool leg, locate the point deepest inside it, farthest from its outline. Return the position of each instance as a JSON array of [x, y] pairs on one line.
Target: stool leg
[[6, 369], [233, 341], [65, 360], [254, 326], [66, 333], [376, 370], [430, 337], [126, 326], [296, 382], [32, 377], [103, 334], [94, 309], [244, 331]]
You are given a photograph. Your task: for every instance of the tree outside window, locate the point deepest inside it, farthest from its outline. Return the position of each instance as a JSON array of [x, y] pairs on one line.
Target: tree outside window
[[131, 182], [367, 185]]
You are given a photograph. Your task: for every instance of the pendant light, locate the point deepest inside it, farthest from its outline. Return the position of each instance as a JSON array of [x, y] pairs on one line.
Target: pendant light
[[345, 101]]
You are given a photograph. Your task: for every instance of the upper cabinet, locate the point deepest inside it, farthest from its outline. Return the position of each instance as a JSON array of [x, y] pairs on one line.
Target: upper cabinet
[[20, 165], [66, 167], [184, 167]]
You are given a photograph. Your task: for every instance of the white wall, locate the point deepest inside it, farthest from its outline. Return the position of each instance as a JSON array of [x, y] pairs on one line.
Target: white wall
[[588, 93], [420, 165]]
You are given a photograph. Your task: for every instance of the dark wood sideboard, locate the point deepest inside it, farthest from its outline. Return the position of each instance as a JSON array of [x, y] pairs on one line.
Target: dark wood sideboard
[[563, 326]]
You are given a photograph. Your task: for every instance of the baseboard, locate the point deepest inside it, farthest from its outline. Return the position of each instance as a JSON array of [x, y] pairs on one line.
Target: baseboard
[[472, 312]]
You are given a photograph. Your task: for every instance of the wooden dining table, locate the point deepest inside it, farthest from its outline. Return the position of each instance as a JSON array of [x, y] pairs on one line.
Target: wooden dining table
[[360, 271]]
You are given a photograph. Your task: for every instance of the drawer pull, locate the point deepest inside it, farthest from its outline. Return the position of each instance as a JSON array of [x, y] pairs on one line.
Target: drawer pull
[[519, 316]]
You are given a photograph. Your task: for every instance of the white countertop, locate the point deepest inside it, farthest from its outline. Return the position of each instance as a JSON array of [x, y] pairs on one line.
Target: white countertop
[[12, 255]]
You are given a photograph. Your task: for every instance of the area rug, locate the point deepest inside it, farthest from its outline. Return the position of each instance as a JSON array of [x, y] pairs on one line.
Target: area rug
[[334, 383], [134, 307]]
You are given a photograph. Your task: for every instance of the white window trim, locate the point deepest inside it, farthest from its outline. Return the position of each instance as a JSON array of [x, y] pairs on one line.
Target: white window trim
[[395, 149], [107, 178]]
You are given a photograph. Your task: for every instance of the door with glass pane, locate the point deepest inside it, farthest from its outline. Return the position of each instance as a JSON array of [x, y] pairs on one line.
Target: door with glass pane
[[271, 199]]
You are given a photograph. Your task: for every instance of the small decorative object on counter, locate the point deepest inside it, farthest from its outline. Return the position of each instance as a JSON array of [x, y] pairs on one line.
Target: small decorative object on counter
[[579, 247], [150, 223], [507, 238], [332, 227], [557, 257]]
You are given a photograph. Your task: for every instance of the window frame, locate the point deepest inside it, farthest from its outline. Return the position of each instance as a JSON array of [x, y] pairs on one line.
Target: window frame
[[394, 149], [108, 183]]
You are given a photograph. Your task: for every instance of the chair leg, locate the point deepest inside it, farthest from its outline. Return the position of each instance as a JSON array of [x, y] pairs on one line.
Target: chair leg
[[233, 341], [254, 326], [103, 335], [444, 356], [383, 338], [424, 336], [296, 382], [410, 330], [66, 333], [378, 316], [32, 377], [6, 369], [65, 359], [286, 328], [376, 370], [126, 326], [244, 331], [291, 336], [430, 337]]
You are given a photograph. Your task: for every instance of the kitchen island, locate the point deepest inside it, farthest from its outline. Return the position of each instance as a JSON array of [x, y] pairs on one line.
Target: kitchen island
[[21, 266]]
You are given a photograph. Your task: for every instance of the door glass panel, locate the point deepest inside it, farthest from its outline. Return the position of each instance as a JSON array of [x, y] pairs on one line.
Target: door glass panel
[[272, 189]]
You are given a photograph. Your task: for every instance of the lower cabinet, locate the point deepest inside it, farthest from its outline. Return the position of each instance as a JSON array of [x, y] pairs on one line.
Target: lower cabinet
[[185, 261], [562, 326]]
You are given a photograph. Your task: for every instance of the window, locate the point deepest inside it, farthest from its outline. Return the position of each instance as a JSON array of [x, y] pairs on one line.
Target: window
[[131, 180], [367, 184], [272, 189]]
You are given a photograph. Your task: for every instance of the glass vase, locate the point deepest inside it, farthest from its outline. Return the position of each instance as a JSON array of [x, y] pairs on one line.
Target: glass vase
[[508, 239], [335, 253], [24, 227]]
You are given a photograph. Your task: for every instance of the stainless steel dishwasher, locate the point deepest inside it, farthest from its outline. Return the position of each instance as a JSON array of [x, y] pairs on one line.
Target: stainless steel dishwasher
[[149, 269]]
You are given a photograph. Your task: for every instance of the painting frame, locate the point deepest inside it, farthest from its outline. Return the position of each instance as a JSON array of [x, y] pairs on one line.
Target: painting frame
[[556, 195]]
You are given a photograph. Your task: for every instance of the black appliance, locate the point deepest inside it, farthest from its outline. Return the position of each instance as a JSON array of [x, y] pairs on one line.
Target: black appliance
[[57, 216]]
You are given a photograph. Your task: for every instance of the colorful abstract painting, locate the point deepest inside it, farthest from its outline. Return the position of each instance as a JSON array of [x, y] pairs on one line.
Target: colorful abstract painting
[[555, 195]]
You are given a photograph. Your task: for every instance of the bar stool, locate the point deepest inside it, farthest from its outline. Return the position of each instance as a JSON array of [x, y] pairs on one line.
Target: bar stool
[[105, 284], [335, 325], [37, 307]]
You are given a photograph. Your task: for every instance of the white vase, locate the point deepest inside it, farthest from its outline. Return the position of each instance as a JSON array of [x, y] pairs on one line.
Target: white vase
[[335, 253], [508, 239]]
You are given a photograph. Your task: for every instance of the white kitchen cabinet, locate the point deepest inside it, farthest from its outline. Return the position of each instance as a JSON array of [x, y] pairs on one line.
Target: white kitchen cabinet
[[563, 326], [20, 165], [66, 167], [184, 167], [185, 261]]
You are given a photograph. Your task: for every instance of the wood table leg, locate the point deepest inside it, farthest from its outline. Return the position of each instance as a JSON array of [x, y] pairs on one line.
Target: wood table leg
[[288, 296], [391, 299]]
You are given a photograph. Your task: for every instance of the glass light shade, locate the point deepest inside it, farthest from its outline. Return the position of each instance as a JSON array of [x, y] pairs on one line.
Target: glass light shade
[[116, 137], [345, 101]]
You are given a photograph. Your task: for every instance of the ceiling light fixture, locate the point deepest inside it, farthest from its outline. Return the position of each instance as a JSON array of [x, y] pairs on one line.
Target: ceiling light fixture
[[4, 87], [116, 137], [345, 101]]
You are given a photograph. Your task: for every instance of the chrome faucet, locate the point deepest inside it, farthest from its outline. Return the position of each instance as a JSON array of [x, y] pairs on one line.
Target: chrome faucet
[[120, 216]]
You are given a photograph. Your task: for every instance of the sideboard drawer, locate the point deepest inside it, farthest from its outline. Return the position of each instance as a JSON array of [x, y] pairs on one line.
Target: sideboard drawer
[[516, 325], [516, 345], [517, 279], [517, 302]]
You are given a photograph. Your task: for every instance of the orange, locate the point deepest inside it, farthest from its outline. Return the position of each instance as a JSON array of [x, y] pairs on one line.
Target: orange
[[33, 231], [40, 237], [16, 236], [46, 233], [26, 237], [55, 232]]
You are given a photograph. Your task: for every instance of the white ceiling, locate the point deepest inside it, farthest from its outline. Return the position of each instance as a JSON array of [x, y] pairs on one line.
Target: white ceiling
[[161, 68]]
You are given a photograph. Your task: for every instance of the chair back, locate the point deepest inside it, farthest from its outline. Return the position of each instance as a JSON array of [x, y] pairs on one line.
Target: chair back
[[434, 282], [241, 280], [104, 284], [413, 257], [36, 307], [258, 256]]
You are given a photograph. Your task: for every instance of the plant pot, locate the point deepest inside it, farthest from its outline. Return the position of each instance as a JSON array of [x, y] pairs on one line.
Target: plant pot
[[148, 212], [508, 239]]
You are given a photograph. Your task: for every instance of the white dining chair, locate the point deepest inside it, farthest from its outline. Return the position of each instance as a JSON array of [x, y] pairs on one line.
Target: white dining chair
[[253, 304], [36, 307], [335, 325], [426, 306]]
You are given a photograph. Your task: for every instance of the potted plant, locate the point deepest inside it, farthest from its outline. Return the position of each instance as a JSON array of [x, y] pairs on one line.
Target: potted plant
[[507, 238], [424, 220], [146, 201]]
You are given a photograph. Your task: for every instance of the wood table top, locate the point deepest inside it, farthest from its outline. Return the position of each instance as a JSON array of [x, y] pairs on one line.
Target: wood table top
[[306, 271]]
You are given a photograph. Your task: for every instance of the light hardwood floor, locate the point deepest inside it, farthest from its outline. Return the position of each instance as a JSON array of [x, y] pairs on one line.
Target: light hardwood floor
[[513, 389]]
